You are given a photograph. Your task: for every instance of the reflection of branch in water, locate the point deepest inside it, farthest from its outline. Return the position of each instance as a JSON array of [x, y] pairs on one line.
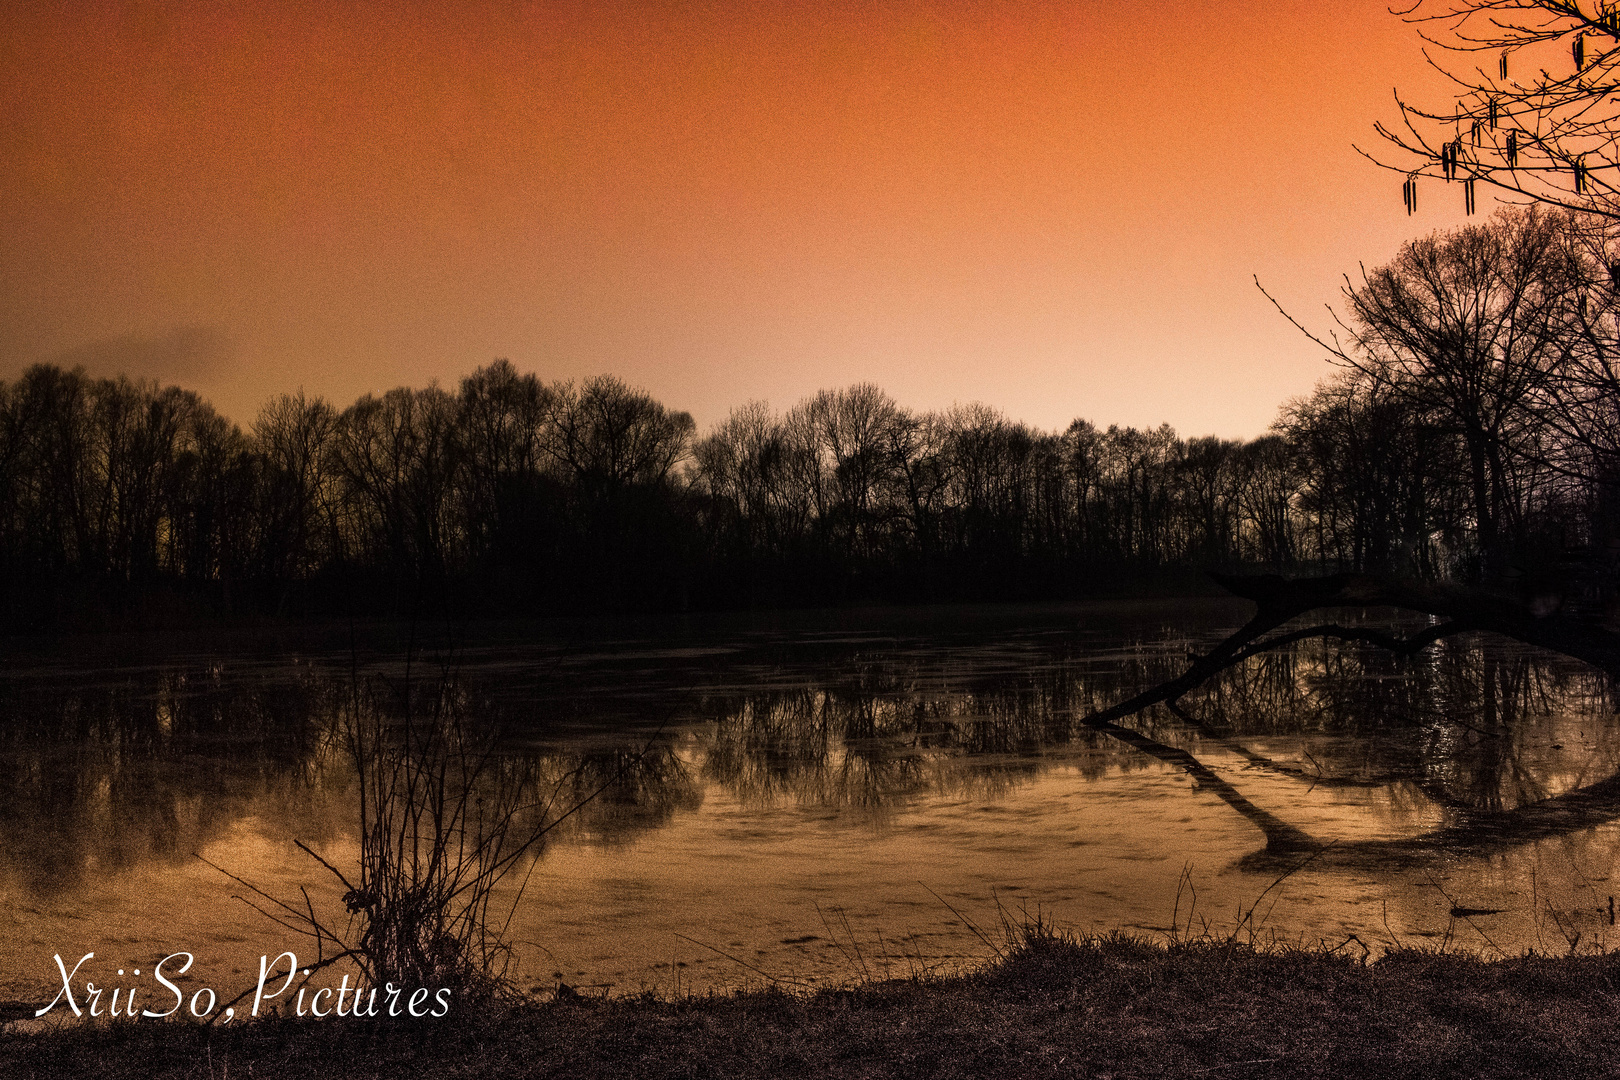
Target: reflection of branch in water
[[1280, 836], [1258, 760], [1406, 646], [1478, 832], [1276, 606], [1279, 600]]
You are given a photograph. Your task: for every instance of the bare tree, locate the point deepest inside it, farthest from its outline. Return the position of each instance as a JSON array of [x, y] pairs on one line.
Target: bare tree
[[1211, 474], [293, 435], [395, 457], [1265, 500], [609, 435], [734, 466], [210, 504], [51, 468], [1470, 329], [503, 429], [920, 468], [1537, 111], [1376, 483], [856, 427]]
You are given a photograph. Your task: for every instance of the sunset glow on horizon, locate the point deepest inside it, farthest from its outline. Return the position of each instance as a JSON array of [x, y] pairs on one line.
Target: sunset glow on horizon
[[1056, 209]]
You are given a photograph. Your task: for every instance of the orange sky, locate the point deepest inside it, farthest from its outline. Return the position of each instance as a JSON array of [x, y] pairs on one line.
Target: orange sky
[[1057, 209]]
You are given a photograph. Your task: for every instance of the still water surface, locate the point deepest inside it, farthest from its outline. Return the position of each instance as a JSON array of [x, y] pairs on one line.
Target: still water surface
[[815, 798]]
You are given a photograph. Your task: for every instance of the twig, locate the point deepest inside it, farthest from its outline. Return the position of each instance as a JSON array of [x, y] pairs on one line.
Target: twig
[[737, 960], [967, 922]]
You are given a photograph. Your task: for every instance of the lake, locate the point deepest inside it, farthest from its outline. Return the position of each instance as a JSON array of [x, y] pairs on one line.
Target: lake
[[811, 798]]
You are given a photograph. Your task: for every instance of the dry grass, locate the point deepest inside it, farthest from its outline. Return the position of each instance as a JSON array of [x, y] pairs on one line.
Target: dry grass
[[1053, 1005], [443, 818]]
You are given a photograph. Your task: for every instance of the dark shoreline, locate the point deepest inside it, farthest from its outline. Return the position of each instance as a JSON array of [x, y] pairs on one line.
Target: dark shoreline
[[1112, 1006], [268, 637]]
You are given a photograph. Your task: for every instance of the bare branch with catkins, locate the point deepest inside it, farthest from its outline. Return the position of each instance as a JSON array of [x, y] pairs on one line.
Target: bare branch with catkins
[[1542, 124]]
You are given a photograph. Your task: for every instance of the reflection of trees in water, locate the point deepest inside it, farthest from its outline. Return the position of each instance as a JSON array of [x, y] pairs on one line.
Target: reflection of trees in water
[[157, 763], [1469, 725], [1468, 722], [821, 747], [622, 791], [109, 775], [884, 732], [103, 777]]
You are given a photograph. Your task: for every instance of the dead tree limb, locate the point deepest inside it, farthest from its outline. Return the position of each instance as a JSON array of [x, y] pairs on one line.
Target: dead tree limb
[[1279, 600]]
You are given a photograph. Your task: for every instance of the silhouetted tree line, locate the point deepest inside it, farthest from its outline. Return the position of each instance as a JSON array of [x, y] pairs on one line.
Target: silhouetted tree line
[[1473, 432], [850, 491]]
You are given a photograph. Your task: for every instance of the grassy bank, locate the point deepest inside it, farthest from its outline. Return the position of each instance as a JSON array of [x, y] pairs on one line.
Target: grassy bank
[[1053, 1007]]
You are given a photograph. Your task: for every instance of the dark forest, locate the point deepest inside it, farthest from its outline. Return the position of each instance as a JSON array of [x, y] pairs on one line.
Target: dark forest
[[1469, 431]]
